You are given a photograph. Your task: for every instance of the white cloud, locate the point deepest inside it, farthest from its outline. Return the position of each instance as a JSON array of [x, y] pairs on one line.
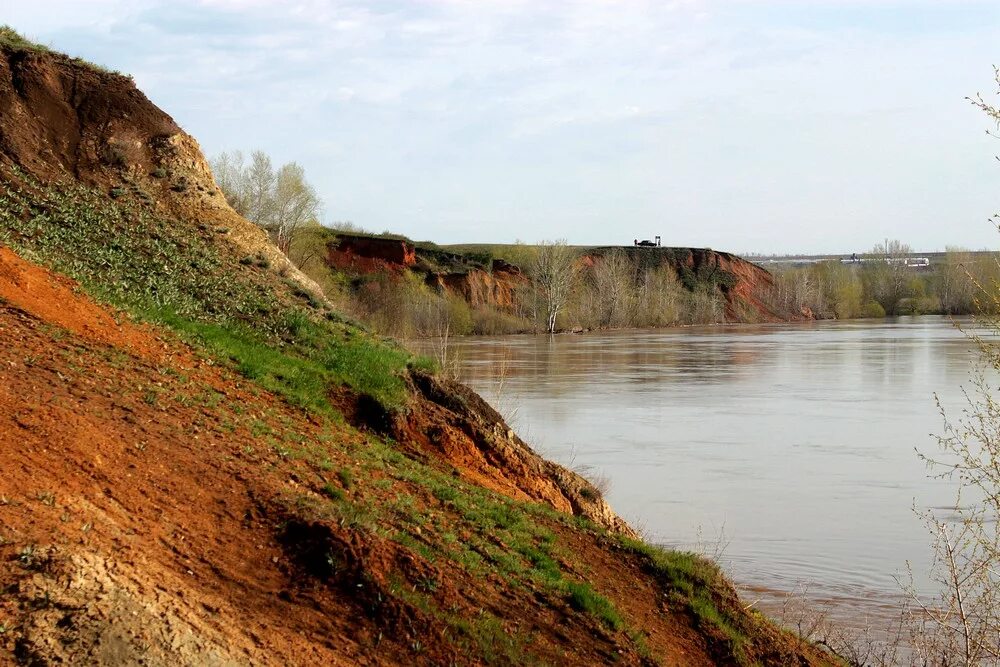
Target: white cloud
[[741, 119]]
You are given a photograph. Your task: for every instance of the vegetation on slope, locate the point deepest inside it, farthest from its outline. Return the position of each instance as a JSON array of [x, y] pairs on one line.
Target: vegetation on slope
[[13, 40], [417, 550], [160, 270], [156, 269]]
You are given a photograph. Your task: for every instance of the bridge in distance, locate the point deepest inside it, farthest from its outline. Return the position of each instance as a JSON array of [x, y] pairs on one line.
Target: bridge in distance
[[913, 258]]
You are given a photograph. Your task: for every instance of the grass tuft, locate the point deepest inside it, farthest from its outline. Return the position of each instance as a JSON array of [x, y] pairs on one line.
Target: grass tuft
[[699, 583], [583, 598]]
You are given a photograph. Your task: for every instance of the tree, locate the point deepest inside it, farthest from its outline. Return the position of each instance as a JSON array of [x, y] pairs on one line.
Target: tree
[[294, 204], [553, 271], [886, 277], [282, 201], [614, 279], [230, 175]]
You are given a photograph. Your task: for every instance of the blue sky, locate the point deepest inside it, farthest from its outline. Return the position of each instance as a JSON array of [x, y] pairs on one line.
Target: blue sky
[[773, 126]]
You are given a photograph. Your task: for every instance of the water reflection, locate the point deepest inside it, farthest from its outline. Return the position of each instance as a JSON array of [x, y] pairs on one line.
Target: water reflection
[[799, 438]]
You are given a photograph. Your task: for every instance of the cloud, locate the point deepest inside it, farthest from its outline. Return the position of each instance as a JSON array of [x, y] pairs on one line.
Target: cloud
[[731, 116]]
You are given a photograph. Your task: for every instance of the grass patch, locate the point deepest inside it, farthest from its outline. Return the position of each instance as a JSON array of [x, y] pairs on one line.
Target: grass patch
[[583, 598], [12, 39], [179, 275], [346, 477], [486, 636], [15, 41], [699, 583], [332, 492]]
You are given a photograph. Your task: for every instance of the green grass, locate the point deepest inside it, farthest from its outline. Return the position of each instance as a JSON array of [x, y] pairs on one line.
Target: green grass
[[15, 41], [346, 477], [583, 598], [488, 638], [332, 492], [180, 276], [698, 582]]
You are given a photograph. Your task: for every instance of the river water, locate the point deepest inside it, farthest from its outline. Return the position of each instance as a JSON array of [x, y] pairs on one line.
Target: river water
[[788, 448]]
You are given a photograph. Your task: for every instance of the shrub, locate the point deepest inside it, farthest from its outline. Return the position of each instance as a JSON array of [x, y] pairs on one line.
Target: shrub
[[872, 309]]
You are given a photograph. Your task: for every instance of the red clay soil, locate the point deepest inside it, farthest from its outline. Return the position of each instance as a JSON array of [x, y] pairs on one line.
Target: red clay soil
[[148, 516], [158, 509], [55, 300], [366, 256]]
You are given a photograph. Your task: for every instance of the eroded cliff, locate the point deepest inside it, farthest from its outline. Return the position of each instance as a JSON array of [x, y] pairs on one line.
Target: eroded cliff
[[203, 463]]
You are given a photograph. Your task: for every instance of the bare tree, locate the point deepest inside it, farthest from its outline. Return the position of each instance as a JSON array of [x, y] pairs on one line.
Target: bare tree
[[962, 625], [259, 188], [282, 201], [553, 272], [614, 277], [230, 173], [294, 204]]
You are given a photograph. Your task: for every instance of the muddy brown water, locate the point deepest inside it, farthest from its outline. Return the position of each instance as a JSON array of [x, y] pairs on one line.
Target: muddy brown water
[[789, 448]]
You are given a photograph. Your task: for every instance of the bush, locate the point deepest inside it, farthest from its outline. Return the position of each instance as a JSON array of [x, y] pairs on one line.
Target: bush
[[459, 316], [872, 309], [491, 321]]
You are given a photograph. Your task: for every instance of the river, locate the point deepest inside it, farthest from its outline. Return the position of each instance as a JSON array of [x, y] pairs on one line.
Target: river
[[788, 450]]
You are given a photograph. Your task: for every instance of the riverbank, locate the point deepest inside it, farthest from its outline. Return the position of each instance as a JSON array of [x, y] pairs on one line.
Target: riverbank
[[791, 446], [206, 462]]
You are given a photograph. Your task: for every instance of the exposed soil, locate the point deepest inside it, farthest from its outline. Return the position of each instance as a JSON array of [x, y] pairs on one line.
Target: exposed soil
[[357, 255], [143, 518], [157, 508], [55, 300], [747, 294]]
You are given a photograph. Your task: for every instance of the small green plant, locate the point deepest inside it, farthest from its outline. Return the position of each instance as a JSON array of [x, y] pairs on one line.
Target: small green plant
[[583, 598], [332, 492], [159, 172], [346, 477]]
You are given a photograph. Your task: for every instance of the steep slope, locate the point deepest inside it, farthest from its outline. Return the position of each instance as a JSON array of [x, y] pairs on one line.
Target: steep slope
[[202, 463], [491, 282], [746, 287]]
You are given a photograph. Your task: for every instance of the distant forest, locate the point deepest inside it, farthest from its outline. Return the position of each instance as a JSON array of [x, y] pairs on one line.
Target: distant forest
[[883, 285]]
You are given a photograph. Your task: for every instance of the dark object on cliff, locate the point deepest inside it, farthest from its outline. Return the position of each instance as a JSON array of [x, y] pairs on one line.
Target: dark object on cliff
[[646, 243]]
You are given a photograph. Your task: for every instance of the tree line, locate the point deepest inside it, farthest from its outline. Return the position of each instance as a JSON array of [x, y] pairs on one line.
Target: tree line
[[883, 285], [564, 293]]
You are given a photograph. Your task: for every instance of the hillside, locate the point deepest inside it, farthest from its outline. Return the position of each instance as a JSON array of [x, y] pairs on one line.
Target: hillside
[[412, 289], [205, 463]]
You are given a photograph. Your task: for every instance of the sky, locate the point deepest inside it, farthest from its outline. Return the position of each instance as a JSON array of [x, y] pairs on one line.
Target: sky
[[784, 126]]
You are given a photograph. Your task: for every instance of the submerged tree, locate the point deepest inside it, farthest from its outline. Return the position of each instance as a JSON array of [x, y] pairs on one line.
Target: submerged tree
[[552, 272]]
